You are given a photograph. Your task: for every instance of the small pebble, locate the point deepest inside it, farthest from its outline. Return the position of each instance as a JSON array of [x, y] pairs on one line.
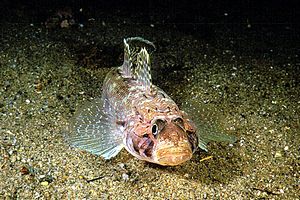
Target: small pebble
[[278, 154], [281, 191], [44, 183], [122, 165], [186, 175], [125, 177], [13, 159]]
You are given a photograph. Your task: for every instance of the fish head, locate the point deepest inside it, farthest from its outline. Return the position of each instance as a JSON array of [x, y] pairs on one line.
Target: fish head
[[175, 141], [166, 140]]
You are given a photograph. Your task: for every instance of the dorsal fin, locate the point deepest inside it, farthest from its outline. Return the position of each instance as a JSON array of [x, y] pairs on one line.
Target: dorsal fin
[[142, 71], [139, 42], [132, 47], [126, 67]]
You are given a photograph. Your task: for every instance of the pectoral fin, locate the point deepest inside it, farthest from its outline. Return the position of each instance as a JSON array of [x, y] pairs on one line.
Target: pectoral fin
[[209, 133], [94, 129], [204, 119]]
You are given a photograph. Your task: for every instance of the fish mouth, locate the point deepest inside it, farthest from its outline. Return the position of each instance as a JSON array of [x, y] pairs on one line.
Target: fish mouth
[[172, 156]]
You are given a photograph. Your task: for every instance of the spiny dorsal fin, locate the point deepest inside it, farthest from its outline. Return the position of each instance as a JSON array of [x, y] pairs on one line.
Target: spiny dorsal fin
[[142, 71], [126, 67], [137, 63], [139, 42], [132, 47]]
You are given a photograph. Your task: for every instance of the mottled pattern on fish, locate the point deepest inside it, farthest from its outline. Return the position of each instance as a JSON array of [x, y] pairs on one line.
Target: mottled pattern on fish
[[135, 114]]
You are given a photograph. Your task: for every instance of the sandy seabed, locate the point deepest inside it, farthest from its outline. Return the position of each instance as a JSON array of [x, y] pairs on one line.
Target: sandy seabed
[[248, 87]]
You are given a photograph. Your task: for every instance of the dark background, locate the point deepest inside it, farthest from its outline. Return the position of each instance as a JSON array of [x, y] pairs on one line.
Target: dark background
[[167, 11], [268, 24]]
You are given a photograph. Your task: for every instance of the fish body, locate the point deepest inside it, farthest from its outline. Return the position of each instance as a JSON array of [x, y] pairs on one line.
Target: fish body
[[134, 114]]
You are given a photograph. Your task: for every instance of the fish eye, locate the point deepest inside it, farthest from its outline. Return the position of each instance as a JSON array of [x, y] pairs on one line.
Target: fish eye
[[178, 121], [154, 129], [157, 126]]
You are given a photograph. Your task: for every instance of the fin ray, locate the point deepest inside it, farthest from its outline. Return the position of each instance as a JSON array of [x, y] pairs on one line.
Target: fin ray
[[205, 121], [142, 71], [137, 62], [93, 129], [127, 64]]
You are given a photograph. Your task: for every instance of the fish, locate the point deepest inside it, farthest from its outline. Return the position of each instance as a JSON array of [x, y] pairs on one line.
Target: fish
[[135, 114]]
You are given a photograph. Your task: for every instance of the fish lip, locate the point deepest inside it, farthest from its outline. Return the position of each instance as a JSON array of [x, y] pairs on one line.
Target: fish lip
[[172, 156]]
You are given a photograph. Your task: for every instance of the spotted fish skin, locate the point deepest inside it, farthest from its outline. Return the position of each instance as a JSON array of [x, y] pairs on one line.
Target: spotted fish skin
[[134, 114]]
